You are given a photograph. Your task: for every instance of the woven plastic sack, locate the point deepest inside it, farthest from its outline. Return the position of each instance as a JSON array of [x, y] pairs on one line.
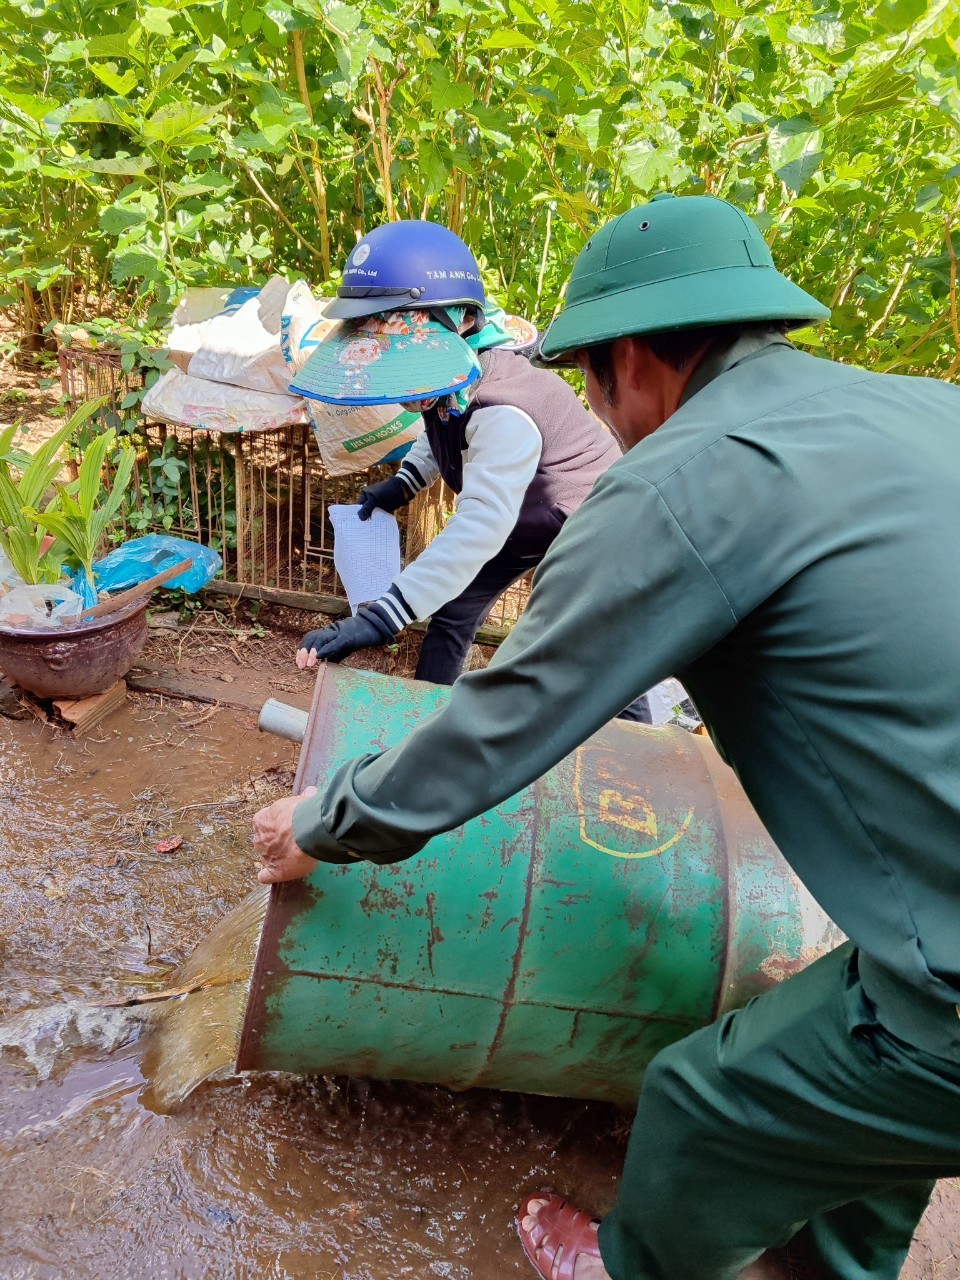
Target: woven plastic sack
[[302, 326], [239, 345], [198, 305], [241, 348], [183, 400], [357, 439]]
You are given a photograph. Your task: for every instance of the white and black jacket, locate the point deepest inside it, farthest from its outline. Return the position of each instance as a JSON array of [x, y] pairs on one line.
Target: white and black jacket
[[521, 458]]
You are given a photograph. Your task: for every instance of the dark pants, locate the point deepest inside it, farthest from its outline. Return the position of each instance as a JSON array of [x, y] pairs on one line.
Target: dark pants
[[452, 629], [798, 1115]]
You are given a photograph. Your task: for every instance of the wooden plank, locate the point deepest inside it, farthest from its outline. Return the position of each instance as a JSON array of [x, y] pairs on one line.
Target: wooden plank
[[83, 714], [317, 602], [310, 601], [193, 688], [123, 598]]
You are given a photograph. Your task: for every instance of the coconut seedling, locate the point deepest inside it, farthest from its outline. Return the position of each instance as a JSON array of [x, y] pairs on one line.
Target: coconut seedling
[[83, 511], [27, 480]]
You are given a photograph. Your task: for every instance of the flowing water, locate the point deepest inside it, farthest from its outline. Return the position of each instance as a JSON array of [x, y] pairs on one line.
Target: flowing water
[[194, 1036], [272, 1177]]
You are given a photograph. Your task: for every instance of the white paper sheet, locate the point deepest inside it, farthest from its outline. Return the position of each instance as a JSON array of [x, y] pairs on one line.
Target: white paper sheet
[[366, 553]]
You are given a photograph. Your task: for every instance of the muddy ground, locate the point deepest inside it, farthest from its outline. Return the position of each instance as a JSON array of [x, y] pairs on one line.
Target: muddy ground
[[326, 1179], [271, 1178]]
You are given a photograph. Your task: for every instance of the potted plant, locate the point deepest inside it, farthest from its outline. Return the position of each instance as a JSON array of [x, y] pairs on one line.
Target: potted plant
[[25, 481], [79, 516], [38, 531]]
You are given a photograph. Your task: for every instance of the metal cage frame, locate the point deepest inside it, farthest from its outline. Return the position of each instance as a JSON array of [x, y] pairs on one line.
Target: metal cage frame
[[260, 497]]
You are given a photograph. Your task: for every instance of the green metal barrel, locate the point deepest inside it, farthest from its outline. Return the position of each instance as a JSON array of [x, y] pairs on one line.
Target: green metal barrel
[[552, 945]]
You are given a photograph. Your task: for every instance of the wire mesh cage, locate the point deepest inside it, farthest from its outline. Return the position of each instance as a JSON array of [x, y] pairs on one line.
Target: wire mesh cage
[[261, 498]]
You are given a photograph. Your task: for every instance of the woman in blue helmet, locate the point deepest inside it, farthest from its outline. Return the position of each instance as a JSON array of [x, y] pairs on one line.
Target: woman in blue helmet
[[512, 441]]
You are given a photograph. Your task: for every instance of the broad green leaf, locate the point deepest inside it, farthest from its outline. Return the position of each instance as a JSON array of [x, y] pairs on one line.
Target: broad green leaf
[[646, 166], [252, 140], [745, 113], [156, 20], [807, 204], [828, 34], [576, 205], [30, 105], [426, 46], [174, 73], [277, 116], [114, 45], [121, 217], [211, 182], [274, 35], [92, 111], [134, 264], [178, 121], [447, 95], [878, 91], [817, 87], [251, 22], [68, 51], [434, 165], [122, 166], [108, 74], [344, 17], [898, 15], [507, 40], [795, 148], [928, 197]]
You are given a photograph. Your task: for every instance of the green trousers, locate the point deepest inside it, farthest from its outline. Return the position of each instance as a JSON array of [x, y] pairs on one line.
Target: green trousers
[[798, 1115]]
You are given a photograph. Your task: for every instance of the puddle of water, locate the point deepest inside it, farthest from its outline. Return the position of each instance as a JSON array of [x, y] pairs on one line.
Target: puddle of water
[[266, 1178], [272, 1177]]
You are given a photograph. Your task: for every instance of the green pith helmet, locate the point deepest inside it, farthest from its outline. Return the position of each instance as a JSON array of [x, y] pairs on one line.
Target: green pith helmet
[[678, 262]]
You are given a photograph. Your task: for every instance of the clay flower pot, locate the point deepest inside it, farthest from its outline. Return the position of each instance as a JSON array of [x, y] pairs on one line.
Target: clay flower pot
[[78, 661]]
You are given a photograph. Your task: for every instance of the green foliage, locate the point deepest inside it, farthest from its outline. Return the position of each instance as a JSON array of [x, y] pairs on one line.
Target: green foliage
[[25, 481], [81, 514], [145, 147]]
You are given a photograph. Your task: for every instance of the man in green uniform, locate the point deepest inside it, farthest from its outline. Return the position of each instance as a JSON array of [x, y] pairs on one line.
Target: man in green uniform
[[783, 534]]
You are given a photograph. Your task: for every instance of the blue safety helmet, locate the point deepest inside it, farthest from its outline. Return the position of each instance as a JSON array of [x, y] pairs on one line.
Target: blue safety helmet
[[404, 265]]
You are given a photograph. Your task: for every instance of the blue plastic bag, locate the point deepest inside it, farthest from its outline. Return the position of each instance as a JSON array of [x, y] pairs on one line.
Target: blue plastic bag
[[141, 558], [80, 583]]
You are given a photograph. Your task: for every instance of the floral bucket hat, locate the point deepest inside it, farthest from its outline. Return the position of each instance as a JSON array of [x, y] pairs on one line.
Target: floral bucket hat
[[399, 357]]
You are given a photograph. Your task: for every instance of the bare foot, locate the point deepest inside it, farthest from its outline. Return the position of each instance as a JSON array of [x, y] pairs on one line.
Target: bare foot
[[588, 1264]]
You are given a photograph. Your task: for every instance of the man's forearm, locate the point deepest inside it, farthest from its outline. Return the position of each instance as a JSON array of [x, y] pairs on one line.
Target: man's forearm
[[588, 643]]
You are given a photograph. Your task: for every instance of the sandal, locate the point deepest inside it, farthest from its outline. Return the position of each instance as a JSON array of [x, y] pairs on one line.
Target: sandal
[[559, 1236]]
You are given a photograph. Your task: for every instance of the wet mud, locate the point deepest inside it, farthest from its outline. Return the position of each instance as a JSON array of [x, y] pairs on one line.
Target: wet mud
[[273, 1177]]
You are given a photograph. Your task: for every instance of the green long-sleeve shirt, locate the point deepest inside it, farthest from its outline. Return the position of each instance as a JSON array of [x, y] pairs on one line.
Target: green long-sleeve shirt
[[788, 544]]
